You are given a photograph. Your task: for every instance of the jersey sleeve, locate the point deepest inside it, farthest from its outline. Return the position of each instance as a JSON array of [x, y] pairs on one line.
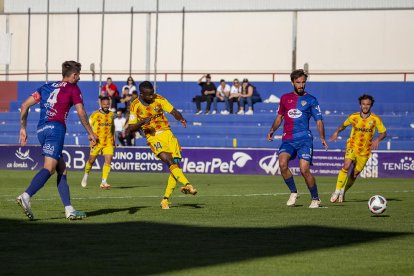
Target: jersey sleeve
[[133, 113], [348, 121], [92, 119], [166, 106], [380, 126], [36, 96], [316, 110], [77, 95], [113, 123], [281, 109]]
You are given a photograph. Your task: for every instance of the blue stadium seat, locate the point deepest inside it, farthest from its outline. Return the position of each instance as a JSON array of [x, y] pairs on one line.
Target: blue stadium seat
[[337, 100]]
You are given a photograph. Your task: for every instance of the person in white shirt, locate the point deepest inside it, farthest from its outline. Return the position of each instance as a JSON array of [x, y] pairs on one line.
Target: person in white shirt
[[235, 93], [222, 95], [119, 123], [130, 83]]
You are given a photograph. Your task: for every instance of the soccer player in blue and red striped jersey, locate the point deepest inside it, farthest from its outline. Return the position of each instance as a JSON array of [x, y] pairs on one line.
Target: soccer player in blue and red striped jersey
[[295, 109], [55, 101]]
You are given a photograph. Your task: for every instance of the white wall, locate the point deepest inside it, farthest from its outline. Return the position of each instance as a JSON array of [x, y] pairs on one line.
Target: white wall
[[232, 43]]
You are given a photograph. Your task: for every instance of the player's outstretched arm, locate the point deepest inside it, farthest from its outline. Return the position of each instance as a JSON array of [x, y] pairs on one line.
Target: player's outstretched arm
[[375, 143], [276, 124], [321, 130], [83, 118], [179, 117], [24, 112], [335, 134], [131, 128]]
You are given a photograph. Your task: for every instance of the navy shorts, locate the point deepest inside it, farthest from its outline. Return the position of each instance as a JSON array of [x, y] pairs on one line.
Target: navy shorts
[[303, 148], [52, 137]]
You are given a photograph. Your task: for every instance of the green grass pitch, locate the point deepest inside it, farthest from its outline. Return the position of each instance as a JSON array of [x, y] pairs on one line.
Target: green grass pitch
[[236, 225]]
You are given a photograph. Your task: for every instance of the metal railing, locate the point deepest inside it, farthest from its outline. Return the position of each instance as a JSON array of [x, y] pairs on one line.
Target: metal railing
[[261, 76]]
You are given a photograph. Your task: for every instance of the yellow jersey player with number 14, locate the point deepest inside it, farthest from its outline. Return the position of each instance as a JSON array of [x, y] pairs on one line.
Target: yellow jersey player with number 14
[[147, 114], [359, 144], [102, 122]]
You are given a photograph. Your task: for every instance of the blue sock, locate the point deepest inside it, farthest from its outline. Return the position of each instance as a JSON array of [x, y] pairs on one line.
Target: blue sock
[[38, 181], [290, 182], [314, 192], [63, 189]]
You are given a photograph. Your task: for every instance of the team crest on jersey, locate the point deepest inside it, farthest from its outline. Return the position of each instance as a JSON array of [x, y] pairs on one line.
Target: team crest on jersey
[[303, 103], [371, 123], [156, 109]]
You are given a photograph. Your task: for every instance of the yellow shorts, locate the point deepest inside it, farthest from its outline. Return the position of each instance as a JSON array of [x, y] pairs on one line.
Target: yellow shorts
[[164, 142], [104, 150], [358, 160]]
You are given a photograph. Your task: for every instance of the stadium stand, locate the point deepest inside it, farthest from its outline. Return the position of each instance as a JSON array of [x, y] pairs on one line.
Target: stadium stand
[[394, 102]]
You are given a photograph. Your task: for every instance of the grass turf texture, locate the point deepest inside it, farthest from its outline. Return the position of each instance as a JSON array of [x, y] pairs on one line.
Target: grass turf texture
[[235, 225]]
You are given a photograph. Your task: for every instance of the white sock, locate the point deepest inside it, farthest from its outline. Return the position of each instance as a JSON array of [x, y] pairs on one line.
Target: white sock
[[26, 196], [69, 209], [103, 181]]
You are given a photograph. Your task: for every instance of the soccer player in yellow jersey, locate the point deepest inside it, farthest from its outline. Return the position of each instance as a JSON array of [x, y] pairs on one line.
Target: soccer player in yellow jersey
[[359, 144], [147, 114], [102, 122]]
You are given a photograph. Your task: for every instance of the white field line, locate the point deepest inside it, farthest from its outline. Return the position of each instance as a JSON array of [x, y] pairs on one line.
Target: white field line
[[12, 197]]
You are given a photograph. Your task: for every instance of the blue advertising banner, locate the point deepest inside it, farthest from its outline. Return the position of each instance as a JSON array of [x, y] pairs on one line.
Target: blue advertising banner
[[213, 161]]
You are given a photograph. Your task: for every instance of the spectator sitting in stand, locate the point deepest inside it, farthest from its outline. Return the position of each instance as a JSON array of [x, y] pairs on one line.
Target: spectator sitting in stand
[[110, 90], [208, 91], [119, 123], [250, 96], [130, 84], [222, 95], [130, 138], [125, 97], [235, 93]]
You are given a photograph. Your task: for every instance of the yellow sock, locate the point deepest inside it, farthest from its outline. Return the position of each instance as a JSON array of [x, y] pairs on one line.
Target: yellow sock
[[349, 183], [88, 167], [340, 183], [105, 171], [178, 174], [172, 183]]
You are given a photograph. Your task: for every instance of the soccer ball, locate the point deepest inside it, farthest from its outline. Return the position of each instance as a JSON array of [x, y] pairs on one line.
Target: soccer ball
[[377, 204]]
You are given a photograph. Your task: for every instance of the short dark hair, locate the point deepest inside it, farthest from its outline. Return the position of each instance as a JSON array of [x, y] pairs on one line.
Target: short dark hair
[[145, 85], [297, 74], [70, 67], [104, 98], [366, 97], [135, 92], [222, 80], [208, 76], [245, 80]]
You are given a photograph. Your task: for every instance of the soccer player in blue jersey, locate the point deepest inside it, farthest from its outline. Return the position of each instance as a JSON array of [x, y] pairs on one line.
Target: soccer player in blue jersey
[[296, 109], [55, 100]]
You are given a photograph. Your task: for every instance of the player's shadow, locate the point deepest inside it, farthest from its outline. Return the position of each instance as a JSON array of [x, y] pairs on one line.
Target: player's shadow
[[394, 199], [196, 205], [141, 248], [296, 206], [366, 200], [131, 210], [127, 187]]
